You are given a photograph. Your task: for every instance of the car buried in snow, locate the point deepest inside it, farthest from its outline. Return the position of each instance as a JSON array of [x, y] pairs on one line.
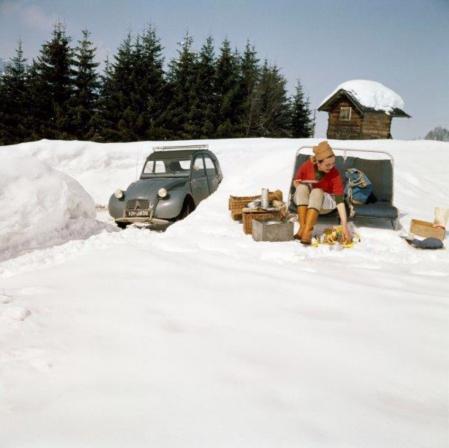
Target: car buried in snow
[[173, 181]]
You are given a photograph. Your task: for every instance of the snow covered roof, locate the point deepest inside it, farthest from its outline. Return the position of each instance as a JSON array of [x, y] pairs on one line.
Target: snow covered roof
[[368, 96]]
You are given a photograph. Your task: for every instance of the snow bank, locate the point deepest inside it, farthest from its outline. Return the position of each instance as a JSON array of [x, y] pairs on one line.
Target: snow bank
[[99, 168], [371, 94], [40, 206]]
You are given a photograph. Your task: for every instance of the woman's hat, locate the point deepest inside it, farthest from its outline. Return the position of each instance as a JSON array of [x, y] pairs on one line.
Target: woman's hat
[[322, 151]]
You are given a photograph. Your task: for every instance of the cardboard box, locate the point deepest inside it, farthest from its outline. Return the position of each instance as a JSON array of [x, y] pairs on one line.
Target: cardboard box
[[426, 229]]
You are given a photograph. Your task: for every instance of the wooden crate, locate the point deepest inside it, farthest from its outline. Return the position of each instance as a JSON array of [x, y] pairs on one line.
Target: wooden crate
[[248, 214], [236, 215], [426, 229], [237, 203]]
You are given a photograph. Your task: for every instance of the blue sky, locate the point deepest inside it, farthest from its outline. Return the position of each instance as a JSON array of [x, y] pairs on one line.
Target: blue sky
[[403, 44]]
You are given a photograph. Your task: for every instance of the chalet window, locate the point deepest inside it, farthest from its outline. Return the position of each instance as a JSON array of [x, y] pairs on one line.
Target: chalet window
[[345, 113]]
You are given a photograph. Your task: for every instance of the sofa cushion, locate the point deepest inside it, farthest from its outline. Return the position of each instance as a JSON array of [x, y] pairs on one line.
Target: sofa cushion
[[376, 210]]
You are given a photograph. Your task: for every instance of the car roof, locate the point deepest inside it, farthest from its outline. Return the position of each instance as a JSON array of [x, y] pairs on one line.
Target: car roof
[[181, 154]]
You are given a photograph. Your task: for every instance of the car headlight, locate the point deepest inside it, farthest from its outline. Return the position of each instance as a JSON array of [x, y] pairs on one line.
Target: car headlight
[[162, 193], [119, 194]]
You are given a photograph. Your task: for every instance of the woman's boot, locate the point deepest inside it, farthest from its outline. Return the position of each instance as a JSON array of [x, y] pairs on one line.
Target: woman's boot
[[302, 212], [311, 219]]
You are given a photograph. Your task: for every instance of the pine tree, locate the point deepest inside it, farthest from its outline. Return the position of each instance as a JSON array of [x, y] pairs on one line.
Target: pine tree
[[302, 124], [274, 117], [182, 80], [205, 106], [86, 85], [251, 101], [150, 85], [116, 115], [14, 117], [102, 117], [52, 86], [228, 92], [39, 105]]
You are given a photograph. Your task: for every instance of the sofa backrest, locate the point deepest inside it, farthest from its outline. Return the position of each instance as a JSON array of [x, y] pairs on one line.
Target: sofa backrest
[[379, 172]]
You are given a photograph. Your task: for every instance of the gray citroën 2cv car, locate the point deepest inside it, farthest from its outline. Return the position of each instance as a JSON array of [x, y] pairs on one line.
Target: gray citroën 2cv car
[[173, 181]]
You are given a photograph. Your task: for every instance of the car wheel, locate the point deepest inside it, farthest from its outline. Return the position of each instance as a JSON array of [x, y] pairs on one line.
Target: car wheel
[[187, 208], [122, 225]]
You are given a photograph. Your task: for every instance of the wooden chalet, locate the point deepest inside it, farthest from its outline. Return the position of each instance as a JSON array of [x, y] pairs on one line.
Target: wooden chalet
[[350, 119]]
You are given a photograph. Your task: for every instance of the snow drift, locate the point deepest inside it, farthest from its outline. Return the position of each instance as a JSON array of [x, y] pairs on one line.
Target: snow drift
[[40, 206]]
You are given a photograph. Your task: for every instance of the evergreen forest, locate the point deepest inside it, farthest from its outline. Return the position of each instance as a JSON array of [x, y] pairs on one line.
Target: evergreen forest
[[209, 93]]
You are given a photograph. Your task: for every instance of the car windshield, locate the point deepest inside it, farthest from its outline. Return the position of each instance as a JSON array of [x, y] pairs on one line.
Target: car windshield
[[167, 167]]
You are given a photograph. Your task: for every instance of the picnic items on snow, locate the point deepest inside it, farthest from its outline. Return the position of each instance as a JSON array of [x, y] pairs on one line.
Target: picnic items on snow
[[334, 236], [236, 204], [274, 223], [426, 229], [250, 214], [433, 233], [272, 230], [441, 217], [427, 243], [268, 209], [435, 229]]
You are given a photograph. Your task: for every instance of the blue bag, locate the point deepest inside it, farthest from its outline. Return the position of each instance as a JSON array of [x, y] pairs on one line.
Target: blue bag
[[358, 187]]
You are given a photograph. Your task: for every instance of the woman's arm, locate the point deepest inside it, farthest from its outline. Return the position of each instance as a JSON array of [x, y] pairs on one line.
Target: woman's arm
[[344, 221]]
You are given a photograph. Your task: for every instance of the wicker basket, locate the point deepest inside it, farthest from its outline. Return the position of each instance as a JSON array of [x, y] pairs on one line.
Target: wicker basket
[[237, 203], [248, 214]]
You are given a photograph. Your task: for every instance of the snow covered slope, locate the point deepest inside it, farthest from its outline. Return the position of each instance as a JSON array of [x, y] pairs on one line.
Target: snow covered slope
[[200, 337]]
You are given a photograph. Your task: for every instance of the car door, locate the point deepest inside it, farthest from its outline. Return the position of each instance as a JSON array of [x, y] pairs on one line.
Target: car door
[[199, 182], [212, 173]]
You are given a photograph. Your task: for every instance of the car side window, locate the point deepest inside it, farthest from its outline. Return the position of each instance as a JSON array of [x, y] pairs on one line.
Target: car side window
[[159, 167], [198, 167], [185, 164], [210, 166]]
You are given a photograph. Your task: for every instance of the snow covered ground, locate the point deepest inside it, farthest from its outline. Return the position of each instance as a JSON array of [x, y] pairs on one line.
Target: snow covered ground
[[200, 337]]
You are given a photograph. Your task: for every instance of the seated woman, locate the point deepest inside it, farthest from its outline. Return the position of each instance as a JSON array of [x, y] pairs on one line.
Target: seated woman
[[319, 190]]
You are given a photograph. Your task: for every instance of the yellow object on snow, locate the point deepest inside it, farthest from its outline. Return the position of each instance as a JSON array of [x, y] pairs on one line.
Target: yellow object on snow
[[334, 235]]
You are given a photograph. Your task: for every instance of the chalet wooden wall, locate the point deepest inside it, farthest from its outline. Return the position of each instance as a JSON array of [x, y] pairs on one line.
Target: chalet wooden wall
[[370, 125], [376, 125]]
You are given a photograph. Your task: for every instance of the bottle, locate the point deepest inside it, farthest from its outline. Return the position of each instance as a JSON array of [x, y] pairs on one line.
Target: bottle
[[441, 217], [265, 203]]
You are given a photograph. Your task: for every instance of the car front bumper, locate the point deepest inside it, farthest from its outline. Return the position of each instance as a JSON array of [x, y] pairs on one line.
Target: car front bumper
[[144, 221]]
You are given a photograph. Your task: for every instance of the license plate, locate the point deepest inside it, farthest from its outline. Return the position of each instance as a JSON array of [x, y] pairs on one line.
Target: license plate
[[137, 213]]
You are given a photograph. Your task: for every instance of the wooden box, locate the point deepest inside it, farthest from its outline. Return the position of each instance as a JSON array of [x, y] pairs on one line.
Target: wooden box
[[426, 229], [248, 214]]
